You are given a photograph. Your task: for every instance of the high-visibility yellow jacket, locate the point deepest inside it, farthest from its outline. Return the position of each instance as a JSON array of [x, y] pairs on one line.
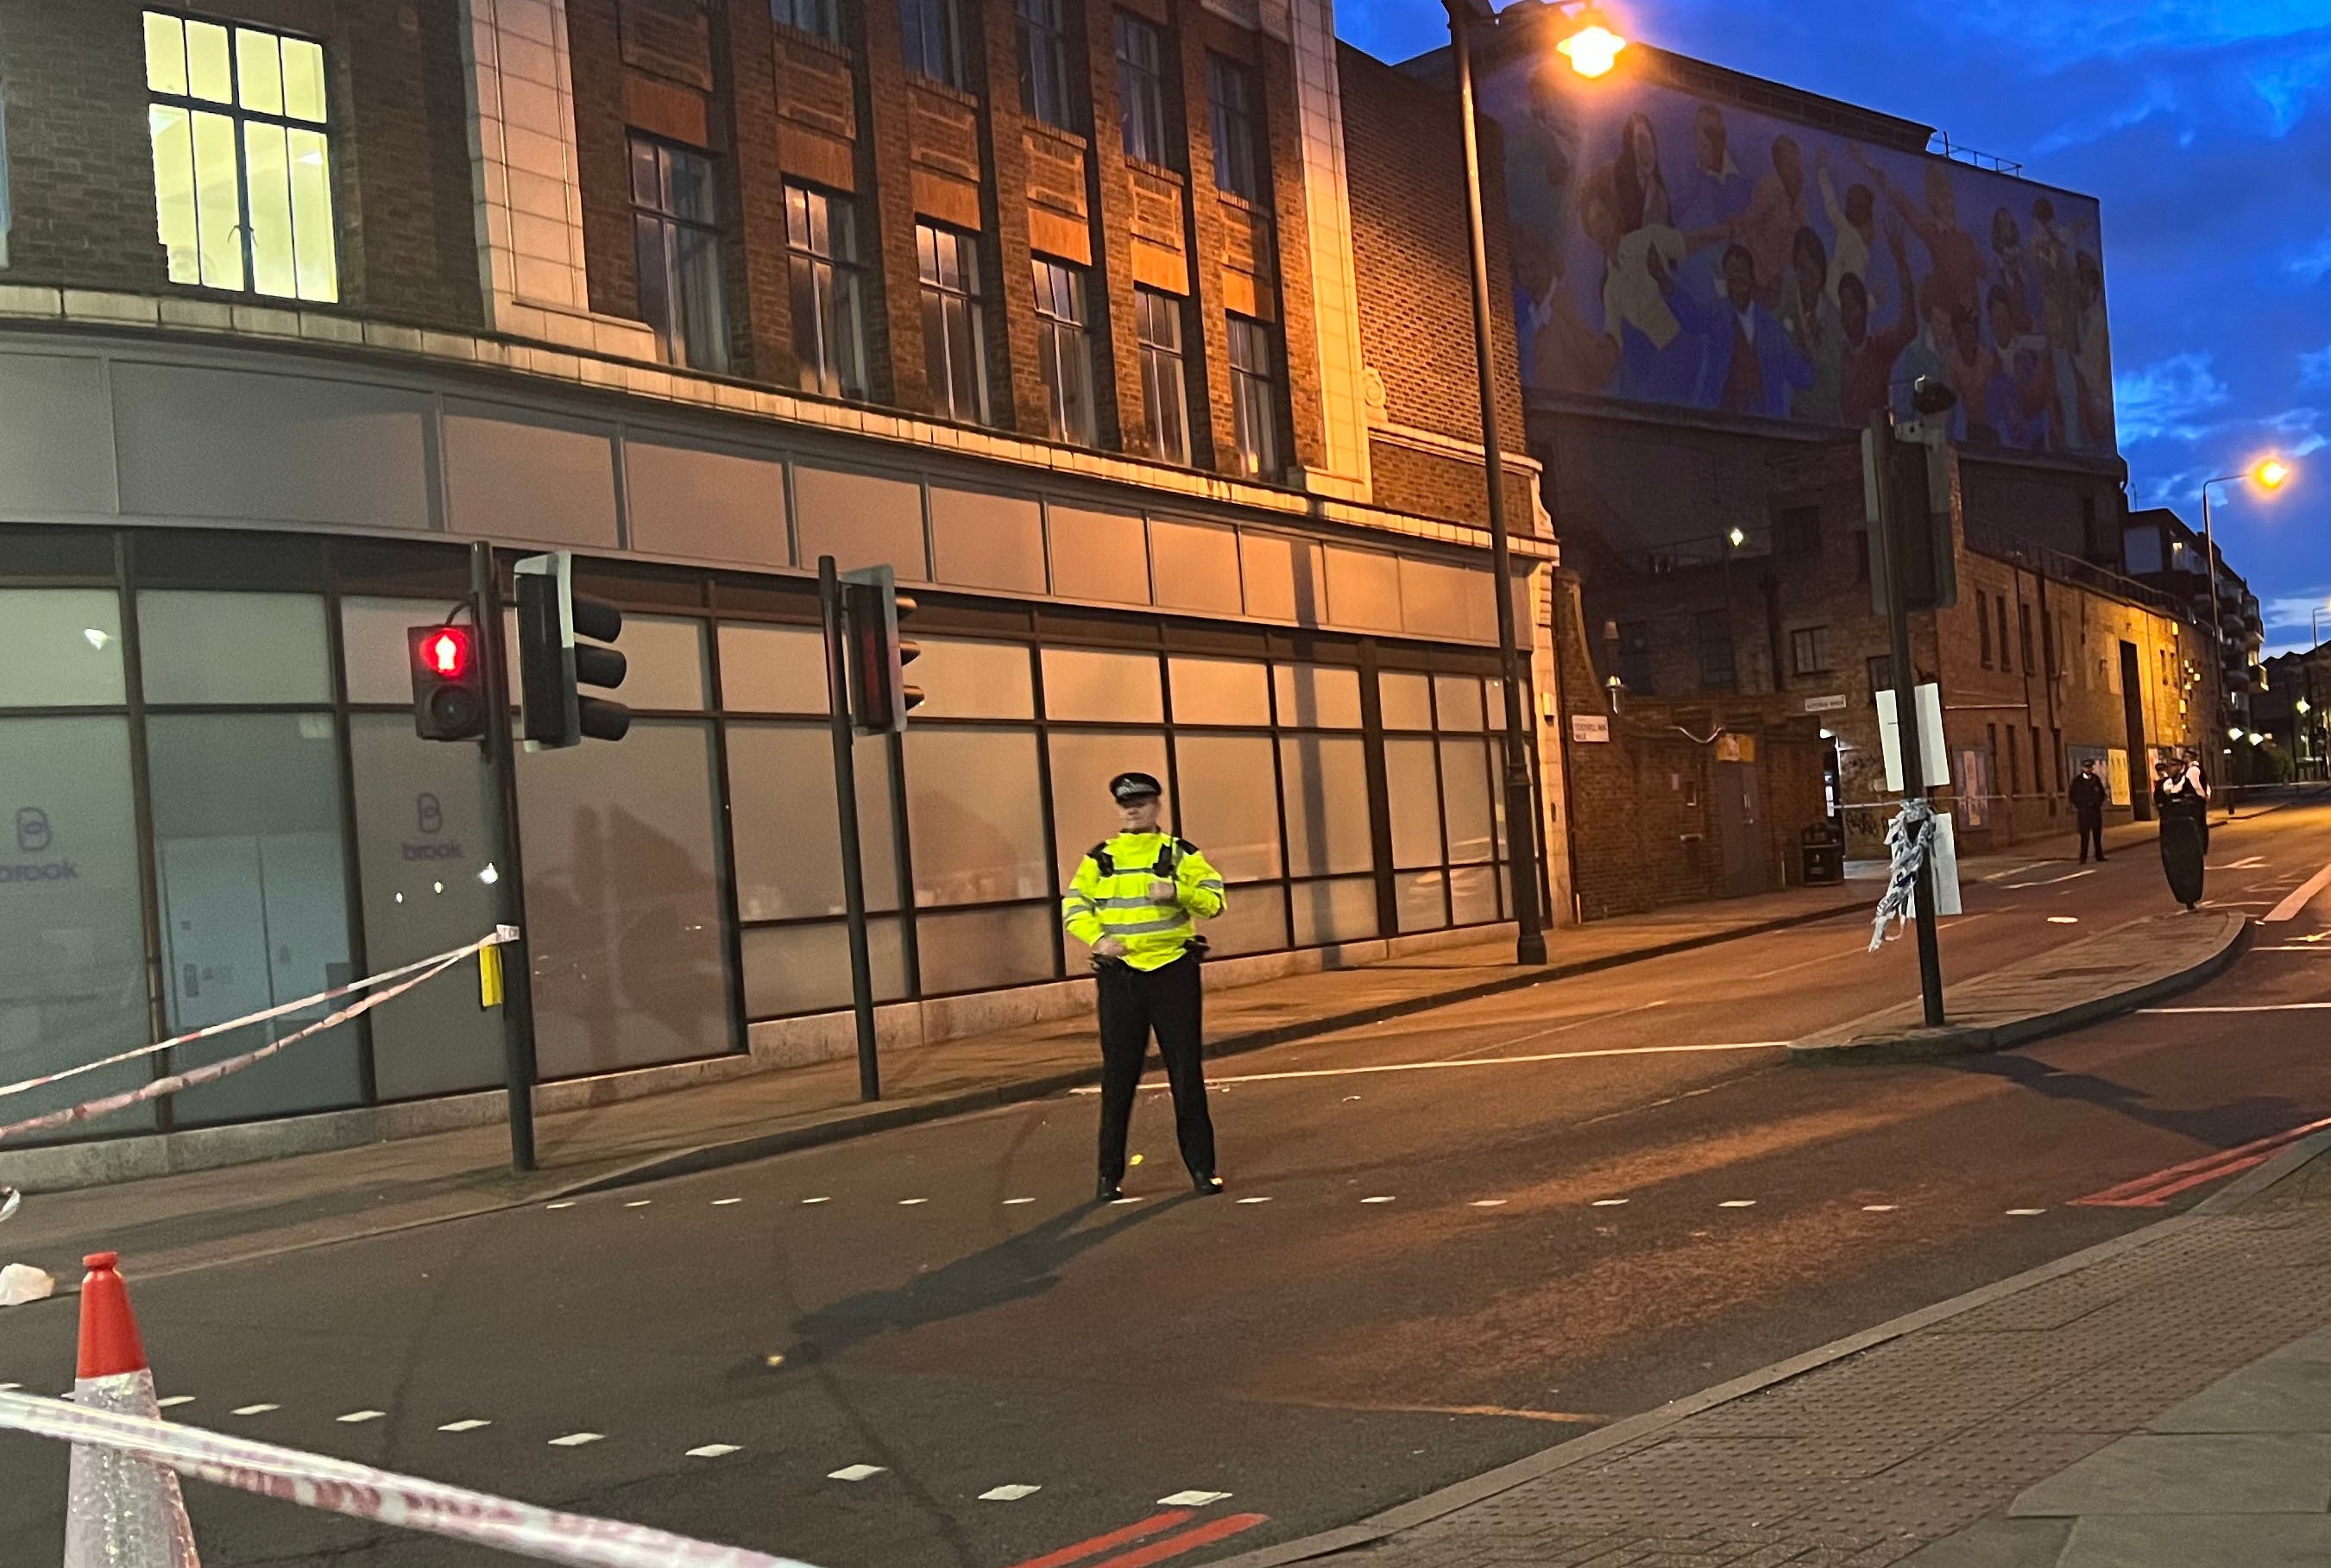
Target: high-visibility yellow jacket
[[1110, 897]]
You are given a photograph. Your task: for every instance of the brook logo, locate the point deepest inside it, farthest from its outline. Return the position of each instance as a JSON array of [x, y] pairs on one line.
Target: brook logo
[[31, 830], [429, 815], [34, 835]]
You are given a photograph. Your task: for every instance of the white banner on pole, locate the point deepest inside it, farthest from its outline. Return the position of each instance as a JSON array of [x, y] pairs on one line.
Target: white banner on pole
[[1933, 761]]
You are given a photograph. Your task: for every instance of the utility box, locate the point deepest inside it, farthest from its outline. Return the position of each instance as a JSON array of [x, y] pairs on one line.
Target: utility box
[[1822, 847]]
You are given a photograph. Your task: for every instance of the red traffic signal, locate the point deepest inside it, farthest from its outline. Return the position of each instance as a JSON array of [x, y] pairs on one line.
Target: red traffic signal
[[449, 696]]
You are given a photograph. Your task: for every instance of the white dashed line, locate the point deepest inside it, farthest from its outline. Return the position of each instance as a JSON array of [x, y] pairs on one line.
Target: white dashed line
[[174, 1401], [470, 1425], [724, 1202], [1381, 1198], [910, 1203], [639, 1202], [576, 1439], [254, 1410], [1009, 1202], [808, 1201], [567, 1203], [714, 1451], [853, 1472], [10, 1387], [1608, 1202], [1880, 1208], [1489, 1202], [1191, 1499], [1254, 1200], [2063, 920], [1738, 1203], [358, 1417], [1120, 1203], [1010, 1494], [2026, 1213]]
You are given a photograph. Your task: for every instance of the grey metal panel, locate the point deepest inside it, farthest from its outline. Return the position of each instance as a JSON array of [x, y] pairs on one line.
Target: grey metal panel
[[983, 540], [203, 442], [1439, 599], [1197, 566], [1284, 577], [860, 520], [513, 474], [56, 436], [1363, 589], [1099, 556], [710, 506]]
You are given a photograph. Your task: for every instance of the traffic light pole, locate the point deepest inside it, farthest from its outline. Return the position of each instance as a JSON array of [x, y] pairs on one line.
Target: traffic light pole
[[845, 796], [1905, 702], [509, 880]]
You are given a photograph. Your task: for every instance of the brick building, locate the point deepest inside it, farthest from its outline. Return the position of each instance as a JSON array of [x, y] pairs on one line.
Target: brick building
[[1131, 335], [1718, 279], [2161, 551]]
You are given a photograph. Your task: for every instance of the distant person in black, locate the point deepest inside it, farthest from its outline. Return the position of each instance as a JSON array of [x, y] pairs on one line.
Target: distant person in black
[[2181, 799], [2088, 794]]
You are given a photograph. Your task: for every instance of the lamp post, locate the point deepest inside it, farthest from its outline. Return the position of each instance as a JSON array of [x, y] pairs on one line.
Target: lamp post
[[2269, 474], [1591, 48]]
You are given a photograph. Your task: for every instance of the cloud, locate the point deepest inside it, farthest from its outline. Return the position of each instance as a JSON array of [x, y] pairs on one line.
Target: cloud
[[2162, 398], [2315, 366], [2313, 264], [2301, 612]]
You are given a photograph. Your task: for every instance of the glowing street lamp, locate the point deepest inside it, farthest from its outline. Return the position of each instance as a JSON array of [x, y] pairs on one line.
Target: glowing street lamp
[[2272, 472], [1591, 45], [2269, 474]]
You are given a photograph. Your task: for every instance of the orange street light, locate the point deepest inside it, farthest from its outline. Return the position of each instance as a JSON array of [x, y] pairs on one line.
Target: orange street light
[[2272, 472], [1592, 46]]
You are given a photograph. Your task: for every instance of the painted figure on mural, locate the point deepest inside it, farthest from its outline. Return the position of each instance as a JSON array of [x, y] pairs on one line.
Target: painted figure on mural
[[1867, 358], [1817, 328]]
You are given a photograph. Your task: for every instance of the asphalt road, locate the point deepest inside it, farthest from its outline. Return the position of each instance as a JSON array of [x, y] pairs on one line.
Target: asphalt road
[[1450, 1241]]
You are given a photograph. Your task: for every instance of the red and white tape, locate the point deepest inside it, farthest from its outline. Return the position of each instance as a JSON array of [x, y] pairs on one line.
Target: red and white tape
[[361, 1492], [414, 974]]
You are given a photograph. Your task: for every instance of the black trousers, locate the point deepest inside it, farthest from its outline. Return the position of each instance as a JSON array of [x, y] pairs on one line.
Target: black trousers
[[2092, 831], [1133, 1003]]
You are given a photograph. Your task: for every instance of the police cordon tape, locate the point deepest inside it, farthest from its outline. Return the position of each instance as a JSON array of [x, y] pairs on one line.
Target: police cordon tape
[[407, 976], [361, 1492]]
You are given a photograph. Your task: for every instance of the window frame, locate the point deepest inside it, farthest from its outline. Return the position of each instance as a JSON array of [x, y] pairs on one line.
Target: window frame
[[1045, 51], [829, 274], [1141, 106], [1703, 622], [1064, 349], [1160, 359], [1254, 397], [917, 20], [1238, 131], [669, 224], [1816, 640], [935, 291], [785, 14]]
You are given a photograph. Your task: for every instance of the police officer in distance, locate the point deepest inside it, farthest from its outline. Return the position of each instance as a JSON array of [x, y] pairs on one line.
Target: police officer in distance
[[1134, 902]]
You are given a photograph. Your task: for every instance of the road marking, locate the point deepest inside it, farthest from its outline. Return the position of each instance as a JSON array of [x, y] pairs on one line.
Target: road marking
[[639, 1202], [175, 1400], [1608, 1202], [1738, 1203], [2017, 870], [2294, 947], [1009, 1202], [1880, 1208], [1489, 1202], [808, 1201], [1121, 1202], [724, 1202], [1376, 1199], [2153, 1190], [853, 1472], [1191, 1499], [910, 1203], [470, 1425], [714, 1451], [2026, 1213], [2251, 1007], [1254, 1200], [1475, 1061], [1189, 1540], [568, 1203], [2063, 920], [1008, 1494], [576, 1439], [1130, 1533], [1563, 1028], [2050, 881], [2300, 897], [2240, 865], [254, 1410], [357, 1417]]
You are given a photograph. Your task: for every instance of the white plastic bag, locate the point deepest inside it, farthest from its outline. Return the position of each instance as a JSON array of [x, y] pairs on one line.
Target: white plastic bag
[[21, 1282]]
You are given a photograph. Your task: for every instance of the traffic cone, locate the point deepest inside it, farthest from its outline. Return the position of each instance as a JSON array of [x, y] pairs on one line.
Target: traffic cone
[[121, 1511]]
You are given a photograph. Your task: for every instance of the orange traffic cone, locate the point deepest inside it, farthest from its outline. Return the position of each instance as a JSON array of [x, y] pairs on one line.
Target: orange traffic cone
[[119, 1510]]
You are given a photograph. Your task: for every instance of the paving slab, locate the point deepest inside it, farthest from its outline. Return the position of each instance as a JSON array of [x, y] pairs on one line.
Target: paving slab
[[2201, 1541], [2191, 1473]]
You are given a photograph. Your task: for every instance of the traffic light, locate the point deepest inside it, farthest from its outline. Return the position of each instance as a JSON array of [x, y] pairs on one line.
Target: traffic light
[[554, 658], [1915, 462], [871, 609], [449, 683]]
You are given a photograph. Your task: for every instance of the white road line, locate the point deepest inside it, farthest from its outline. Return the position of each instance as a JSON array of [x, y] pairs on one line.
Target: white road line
[[714, 1451], [1010, 1493], [2050, 881], [1009, 1202], [2063, 920], [724, 1202], [1477, 1062], [175, 1400], [2292, 947], [1738, 1203], [2255, 1007], [358, 1417], [2300, 897], [254, 1410], [1380, 1199], [1563, 1028], [1191, 1499], [471, 1425], [910, 1203], [1880, 1208], [2026, 1213], [639, 1202], [808, 1201], [2240, 865], [568, 1203], [853, 1472], [1608, 1202], [576, 1439], [2015, 871], [1254, 1200], [1489, 1202], [1120, 1203]]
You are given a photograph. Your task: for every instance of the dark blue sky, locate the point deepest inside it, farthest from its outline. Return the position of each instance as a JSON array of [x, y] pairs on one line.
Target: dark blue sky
[[2205, 129]]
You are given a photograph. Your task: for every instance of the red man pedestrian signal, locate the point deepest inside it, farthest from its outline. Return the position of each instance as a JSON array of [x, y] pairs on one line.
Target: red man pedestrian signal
[[449, 698]]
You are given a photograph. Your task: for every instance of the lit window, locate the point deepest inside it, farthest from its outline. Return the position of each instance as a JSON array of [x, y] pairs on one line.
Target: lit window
[[238, 127], [1163, 386], [1254, 398], [955, 355], [1141, 88], [934, 39], [1064, 347], [675, 240], [829, 318], [1044, 63], [1231, 95]]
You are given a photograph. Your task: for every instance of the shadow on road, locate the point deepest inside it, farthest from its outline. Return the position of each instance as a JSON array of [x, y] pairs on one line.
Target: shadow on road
[[2227, 1124], [1026, 1265]]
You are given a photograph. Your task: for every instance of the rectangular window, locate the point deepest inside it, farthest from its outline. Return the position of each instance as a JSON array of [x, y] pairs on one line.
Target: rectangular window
[[934, 39], [1231, 100], [2014, 767], [1861, 556], [2005, 656], [954, 353], [1983, 625], [1881, 674], [1809, 650], [676, 238], [819, 18], [1141, 88], [1064, 348], [1714, 632], [2024, 627], [1164, 389], [2038, 773], [242, 178], [828, 308], [1635, 658], [1044, 63], [2056, 750], [1254, 398], [1800, 530]]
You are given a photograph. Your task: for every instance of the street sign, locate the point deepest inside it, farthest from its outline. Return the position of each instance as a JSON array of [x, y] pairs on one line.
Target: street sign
[[1590, 727], [1833, 703]]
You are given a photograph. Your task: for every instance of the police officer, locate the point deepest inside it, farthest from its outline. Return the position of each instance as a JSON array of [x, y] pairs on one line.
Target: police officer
[[1134, 902]]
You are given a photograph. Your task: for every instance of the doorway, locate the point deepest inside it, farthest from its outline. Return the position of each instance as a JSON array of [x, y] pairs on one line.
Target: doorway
[[1736, 826], [2132, 698]]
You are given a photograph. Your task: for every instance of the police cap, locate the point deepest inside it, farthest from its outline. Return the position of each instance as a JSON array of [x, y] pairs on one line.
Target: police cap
[[1132, 786]]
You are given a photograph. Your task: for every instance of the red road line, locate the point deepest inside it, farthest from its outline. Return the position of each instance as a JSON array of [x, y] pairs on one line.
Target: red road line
[[2147, 1190], [1135, 1531], [1205, 1534]]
